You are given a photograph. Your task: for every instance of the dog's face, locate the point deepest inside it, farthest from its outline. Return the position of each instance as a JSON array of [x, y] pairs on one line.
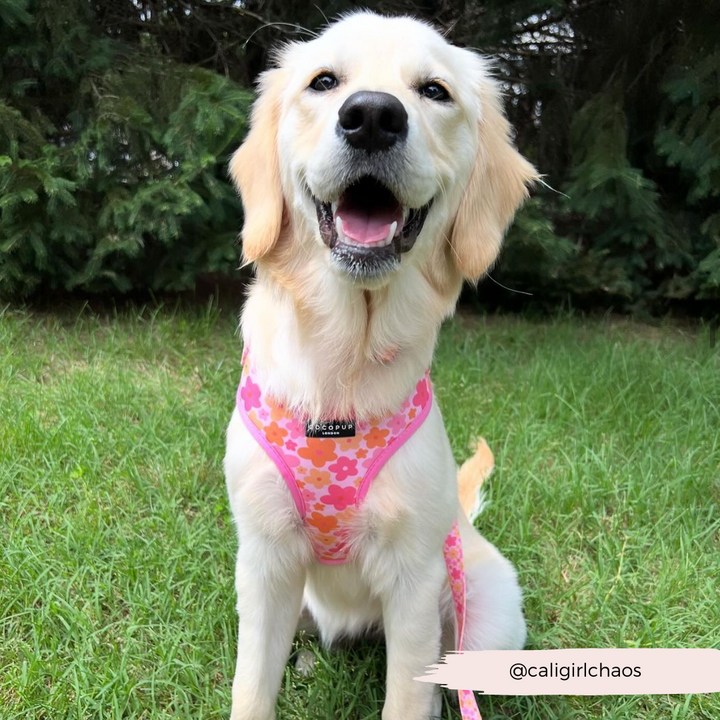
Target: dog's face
[[379, 143]]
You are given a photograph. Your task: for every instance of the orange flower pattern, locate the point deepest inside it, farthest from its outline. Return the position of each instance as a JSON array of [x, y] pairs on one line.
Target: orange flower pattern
[[319, 479], [319, 452], [275, 434], [328, 477], [376, 437], [324, 523]]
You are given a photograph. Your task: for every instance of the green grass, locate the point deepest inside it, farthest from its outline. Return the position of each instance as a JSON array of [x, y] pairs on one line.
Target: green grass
[[116, 561]]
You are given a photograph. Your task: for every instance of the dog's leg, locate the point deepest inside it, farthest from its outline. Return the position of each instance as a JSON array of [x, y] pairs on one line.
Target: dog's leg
[[269, 600], [494, 603], [411, 616], [494, 618]]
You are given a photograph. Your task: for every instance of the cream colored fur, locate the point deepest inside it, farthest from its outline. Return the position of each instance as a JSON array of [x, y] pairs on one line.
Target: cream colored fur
[[321, 340]]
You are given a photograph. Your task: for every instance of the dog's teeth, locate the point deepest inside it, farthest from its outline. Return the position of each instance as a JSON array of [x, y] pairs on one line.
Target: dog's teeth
[[391, 233], [338, 228], [334, 207]]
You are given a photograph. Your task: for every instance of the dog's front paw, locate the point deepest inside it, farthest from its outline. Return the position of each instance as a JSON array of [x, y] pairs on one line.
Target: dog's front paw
[[244, 710], [244, 715]]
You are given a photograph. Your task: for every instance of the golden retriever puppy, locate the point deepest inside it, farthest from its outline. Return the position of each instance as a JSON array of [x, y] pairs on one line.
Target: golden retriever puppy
[[377, 174]]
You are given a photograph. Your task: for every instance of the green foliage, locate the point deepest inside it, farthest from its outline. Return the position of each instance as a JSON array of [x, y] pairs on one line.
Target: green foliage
[[112, 158], [689, 139], [617, 207], [596, 94], [621, 109], [536, 255], [117, 120]]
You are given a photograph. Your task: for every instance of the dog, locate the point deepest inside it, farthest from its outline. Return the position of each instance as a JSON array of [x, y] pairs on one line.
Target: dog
[[378, 173]]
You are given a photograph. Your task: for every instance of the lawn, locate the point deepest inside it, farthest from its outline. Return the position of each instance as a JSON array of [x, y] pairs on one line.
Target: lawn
[[116, 561]]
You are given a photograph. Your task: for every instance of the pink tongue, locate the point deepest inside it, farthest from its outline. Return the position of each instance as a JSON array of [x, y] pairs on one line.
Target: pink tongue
[[363, 227]]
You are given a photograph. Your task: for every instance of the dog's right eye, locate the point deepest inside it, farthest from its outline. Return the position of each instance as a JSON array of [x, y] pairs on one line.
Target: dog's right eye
[[323, 82]]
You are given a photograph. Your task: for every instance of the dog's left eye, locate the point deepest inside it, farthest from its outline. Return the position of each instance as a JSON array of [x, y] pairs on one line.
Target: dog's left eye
[[323, 82], [434, 91]]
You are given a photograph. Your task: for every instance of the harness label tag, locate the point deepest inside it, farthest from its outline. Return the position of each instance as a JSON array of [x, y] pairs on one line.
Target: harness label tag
[[330, 429]]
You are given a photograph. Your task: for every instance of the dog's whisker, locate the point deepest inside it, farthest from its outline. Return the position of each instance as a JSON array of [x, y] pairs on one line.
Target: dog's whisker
[[281, 25], [505, 287]]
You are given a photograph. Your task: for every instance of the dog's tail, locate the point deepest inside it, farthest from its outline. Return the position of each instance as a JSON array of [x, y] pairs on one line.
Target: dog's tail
[[471, 476]]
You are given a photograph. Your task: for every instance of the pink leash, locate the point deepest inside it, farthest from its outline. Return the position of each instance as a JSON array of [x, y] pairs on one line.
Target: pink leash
[[456, 575]]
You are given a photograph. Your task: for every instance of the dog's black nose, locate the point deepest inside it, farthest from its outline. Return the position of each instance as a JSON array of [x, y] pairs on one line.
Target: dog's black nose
[[372, 121]]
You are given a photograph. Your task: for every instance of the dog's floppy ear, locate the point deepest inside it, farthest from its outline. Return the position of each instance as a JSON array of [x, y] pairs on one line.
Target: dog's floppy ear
[[497, 187], [255, 170]]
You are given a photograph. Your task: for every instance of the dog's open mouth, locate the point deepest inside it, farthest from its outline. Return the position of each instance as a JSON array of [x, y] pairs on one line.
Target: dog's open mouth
[[368, 229]]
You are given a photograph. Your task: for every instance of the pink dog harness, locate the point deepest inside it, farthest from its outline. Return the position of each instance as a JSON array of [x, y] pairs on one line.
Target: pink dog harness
[[329, 467]]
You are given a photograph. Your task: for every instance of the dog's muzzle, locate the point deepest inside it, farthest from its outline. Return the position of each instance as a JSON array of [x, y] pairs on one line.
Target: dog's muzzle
[[368, 230]]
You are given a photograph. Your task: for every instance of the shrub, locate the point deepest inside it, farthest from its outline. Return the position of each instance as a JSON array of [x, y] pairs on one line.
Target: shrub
[[112, 158]]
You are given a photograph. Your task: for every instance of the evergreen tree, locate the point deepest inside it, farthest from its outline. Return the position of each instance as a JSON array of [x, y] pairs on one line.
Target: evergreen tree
[[117, 119], [112, 156]]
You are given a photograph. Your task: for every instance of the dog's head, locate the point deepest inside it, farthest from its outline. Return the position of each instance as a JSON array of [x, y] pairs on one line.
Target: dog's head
[[378, 145]]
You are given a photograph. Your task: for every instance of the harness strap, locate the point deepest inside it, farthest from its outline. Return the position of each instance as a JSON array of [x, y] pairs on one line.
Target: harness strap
[[329, 466], [456, 575]]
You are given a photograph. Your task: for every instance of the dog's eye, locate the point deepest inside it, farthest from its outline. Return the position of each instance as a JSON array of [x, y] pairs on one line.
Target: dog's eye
[[323, 82], [434, 91]]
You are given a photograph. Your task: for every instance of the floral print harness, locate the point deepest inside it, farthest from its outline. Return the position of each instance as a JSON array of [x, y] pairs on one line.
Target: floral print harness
[[329, 476]]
